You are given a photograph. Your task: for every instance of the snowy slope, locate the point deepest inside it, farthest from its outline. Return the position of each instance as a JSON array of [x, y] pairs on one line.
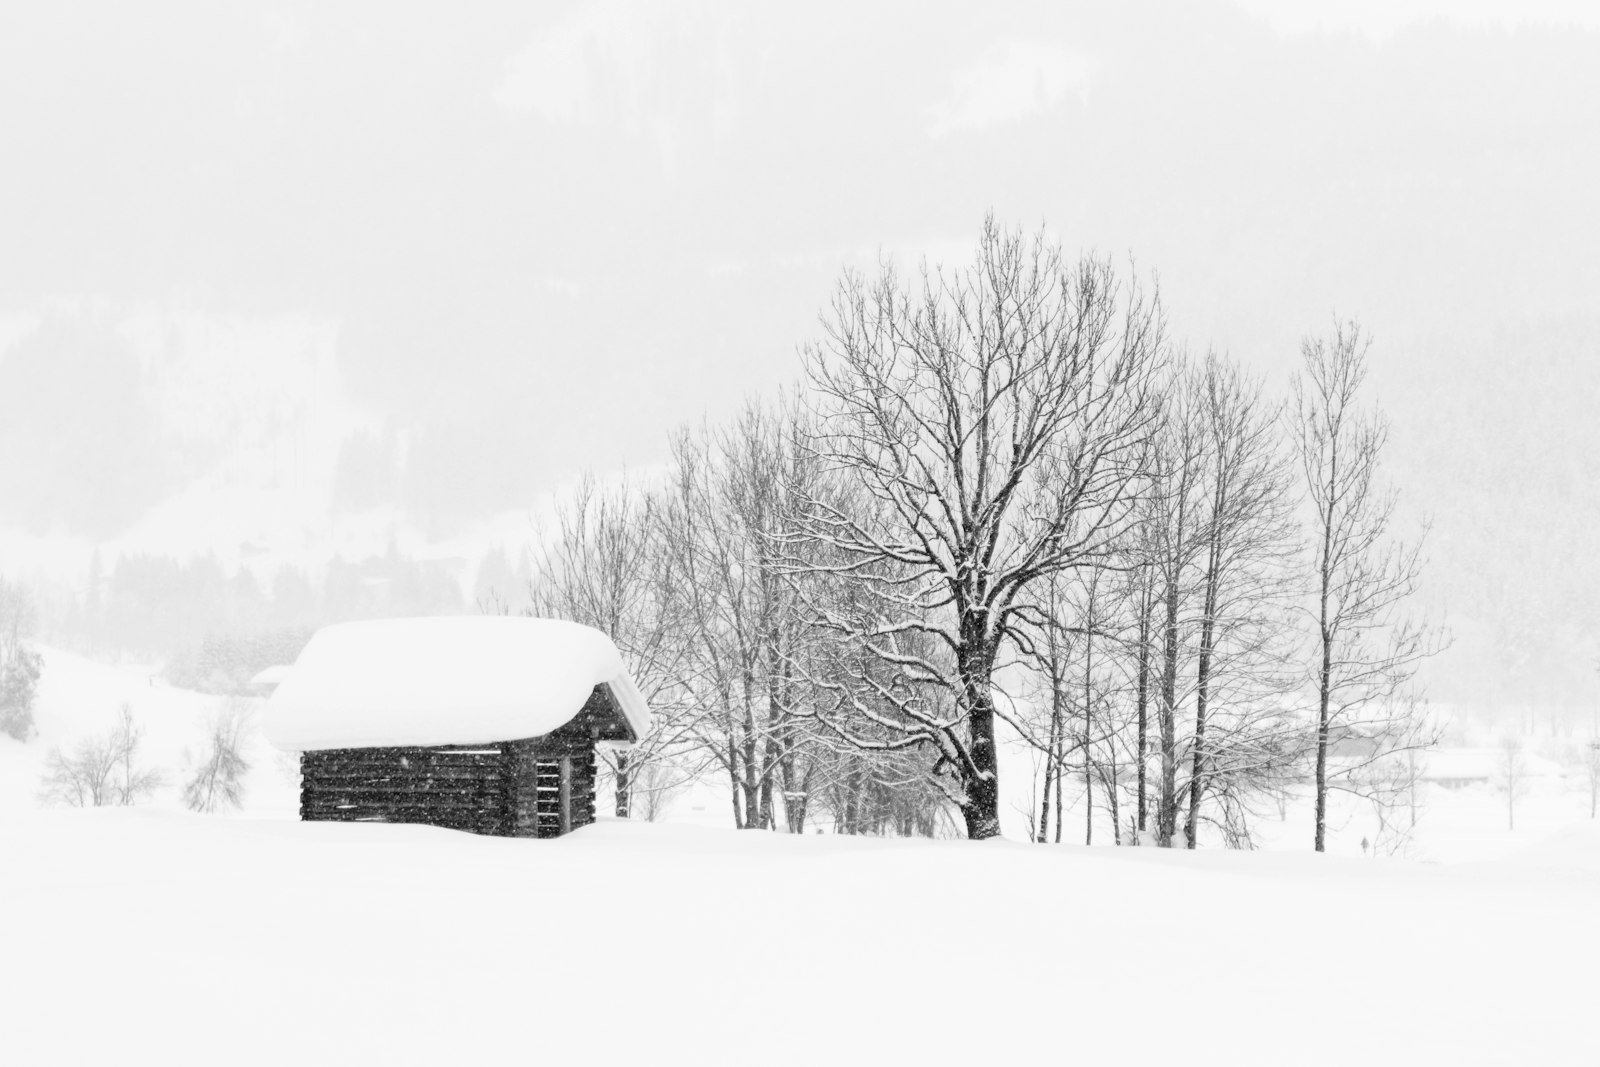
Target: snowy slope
[[139, 934], [79, 697]]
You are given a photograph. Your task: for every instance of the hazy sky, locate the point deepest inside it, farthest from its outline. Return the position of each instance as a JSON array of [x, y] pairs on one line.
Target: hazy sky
[[585, 223], [547, 234]]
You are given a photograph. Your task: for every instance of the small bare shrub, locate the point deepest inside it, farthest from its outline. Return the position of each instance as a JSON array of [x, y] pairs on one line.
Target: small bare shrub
[[216, 782], [655, 787], [101, 771]]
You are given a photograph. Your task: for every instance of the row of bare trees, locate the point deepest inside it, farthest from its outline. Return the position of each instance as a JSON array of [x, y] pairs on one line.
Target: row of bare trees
[[693, 577], [1006, 505]]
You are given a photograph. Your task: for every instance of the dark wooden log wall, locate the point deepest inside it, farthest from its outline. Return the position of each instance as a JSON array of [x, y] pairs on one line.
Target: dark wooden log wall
[[461, 787], [507, 788]]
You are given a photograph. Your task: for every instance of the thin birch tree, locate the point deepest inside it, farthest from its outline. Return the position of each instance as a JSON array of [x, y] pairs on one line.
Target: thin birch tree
[[1365, 649], [1243, 742]]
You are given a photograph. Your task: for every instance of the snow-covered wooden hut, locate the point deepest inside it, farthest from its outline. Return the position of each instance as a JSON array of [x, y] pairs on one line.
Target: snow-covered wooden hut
[[478, 723]]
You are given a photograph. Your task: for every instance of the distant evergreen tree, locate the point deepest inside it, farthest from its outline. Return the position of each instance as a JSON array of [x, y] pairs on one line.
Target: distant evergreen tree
[[496, 582], [20, 665], [19, 681]]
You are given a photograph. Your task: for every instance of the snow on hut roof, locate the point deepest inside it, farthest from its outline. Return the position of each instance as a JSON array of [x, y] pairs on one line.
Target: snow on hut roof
[[442, 681]]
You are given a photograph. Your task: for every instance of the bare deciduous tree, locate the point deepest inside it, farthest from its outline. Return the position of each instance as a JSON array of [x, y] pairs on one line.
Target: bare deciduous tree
[[1171, 517], [1052, 662], [216, 781], [654, 786], [81, 780], [1511, 767], [729, 530], [992, 425], [101, 771], [1366, 650], [601, 565], [1244, 742]]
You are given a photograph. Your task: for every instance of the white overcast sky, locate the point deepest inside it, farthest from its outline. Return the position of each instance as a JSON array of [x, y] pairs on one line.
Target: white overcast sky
[[537, 238], [571, 227]]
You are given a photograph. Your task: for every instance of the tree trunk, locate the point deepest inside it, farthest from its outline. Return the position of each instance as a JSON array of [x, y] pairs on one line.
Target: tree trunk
[[852, 804], [1043, 830], [1322, 745], [733, 777], [981, 778], [769, 818], [797, 801], [1142, 703], [1202, 690], [1167, 808], [982, 809], [1088, 723], [1111, 799], [752, 780], [1059, 757], [1324, 691], [1052, 766]]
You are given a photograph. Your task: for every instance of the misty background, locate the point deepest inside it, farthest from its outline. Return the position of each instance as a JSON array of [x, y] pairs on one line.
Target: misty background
[[307, 313]]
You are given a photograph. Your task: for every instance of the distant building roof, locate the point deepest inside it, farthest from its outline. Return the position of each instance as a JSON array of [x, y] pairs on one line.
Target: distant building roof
[[272, 677], [448, 680], [1458, 765]]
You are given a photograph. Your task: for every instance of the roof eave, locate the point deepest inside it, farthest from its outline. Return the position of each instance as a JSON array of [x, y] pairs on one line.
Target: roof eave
[[631, 702]]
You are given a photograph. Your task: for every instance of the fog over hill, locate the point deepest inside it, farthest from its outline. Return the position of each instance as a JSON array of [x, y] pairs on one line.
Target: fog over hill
[[290, 275]]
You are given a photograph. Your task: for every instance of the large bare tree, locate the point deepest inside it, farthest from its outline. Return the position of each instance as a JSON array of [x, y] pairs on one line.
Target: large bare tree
[[991, 424]]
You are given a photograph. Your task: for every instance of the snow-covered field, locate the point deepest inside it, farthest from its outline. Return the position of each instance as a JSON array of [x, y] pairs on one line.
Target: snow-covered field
[[136, 936], [152, 935]]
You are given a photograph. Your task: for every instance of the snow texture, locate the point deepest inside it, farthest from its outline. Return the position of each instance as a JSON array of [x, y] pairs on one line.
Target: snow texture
[[443, 681], [267, 941]]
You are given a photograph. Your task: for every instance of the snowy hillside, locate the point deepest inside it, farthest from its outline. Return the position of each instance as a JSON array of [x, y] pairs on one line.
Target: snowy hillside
[[80, 698]]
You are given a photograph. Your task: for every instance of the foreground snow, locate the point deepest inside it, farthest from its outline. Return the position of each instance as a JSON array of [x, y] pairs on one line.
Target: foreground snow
[[135, 934]]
